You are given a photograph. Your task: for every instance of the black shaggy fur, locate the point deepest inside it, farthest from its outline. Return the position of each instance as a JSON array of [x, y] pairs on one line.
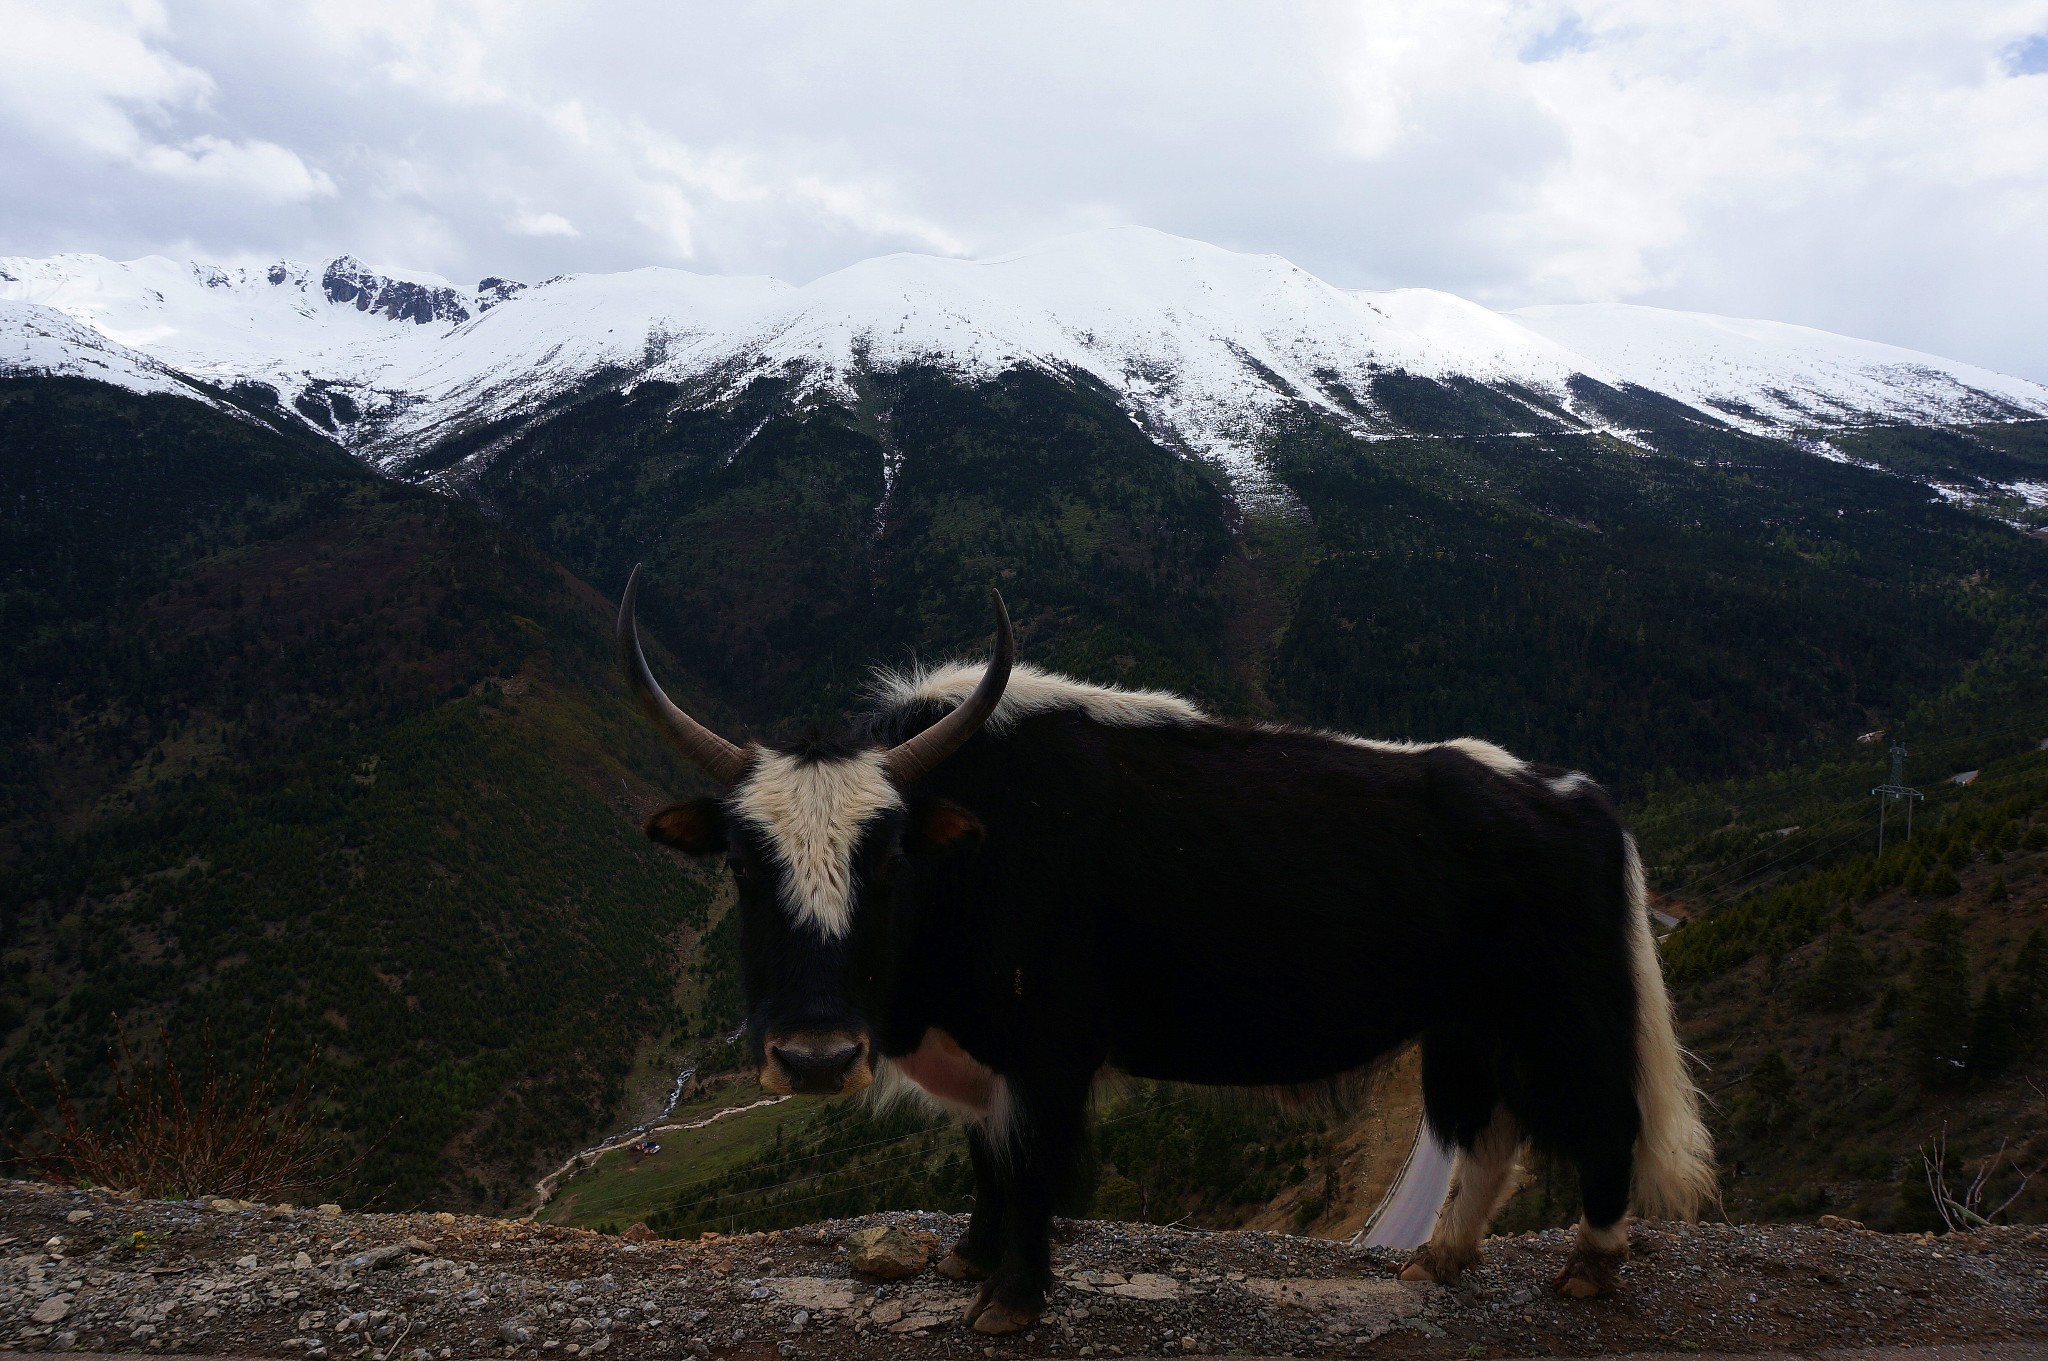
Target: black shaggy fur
[[1213, 903], [1219, 904]]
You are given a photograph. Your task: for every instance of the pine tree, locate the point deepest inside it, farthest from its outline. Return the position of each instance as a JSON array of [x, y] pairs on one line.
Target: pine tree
[[1840, 978], [1992, 1042], [2027, 995], [1889, 1004], [1771, 1082], [1938, 1014]]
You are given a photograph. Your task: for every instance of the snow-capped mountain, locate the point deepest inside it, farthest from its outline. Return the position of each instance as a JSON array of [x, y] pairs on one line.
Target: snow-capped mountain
[[1765, 374], [1203, 346]]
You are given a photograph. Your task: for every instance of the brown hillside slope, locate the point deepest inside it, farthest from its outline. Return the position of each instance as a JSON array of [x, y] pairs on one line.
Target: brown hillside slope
[[1367, 1150], [1846, 1133], [91, 1272]]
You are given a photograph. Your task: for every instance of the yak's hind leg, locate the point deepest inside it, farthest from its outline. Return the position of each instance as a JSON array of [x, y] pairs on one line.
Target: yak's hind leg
[[1479, 1177], [1594, 1267], [1462, 1102], [1581, 1104]]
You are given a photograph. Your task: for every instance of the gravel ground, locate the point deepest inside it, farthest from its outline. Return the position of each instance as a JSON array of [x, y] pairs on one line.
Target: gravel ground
[[224, 1278]]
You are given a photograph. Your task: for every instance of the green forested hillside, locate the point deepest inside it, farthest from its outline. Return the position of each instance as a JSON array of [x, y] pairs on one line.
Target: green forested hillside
[[788, 550], [1699, 603], [286, 739], [1849, 1009], [289, 741], [1704, 610]]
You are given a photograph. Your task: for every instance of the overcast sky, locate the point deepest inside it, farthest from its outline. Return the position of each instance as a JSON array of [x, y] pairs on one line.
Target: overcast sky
[[1874, 168]]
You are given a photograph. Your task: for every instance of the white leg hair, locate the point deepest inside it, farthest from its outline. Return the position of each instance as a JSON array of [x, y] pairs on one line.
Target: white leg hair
[[1611, 1241], [1480, 1177], [1594, 1266]]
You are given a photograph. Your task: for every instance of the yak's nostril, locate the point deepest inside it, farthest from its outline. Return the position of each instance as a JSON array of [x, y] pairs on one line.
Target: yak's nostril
[[815, 1071]]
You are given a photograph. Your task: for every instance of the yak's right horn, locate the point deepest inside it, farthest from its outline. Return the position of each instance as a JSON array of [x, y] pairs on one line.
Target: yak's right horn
[[717, 757], [918, 755]]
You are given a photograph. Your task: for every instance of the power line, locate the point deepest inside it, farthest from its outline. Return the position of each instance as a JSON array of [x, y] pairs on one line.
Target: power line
[[1727, 873], [1724, 885], [1835, 845]]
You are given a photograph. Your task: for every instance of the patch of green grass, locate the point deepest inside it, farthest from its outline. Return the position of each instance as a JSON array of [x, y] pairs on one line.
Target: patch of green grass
[[625, 1187]]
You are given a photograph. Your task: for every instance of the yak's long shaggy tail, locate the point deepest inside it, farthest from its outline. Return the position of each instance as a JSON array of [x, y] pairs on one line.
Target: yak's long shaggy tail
[[1674, 1152]]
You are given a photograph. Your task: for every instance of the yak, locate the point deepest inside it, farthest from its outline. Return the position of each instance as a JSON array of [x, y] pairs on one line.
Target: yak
[[1001, 884]]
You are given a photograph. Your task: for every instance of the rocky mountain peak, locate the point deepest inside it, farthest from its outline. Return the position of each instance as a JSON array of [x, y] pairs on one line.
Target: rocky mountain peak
[[492, 291], [348, 280]]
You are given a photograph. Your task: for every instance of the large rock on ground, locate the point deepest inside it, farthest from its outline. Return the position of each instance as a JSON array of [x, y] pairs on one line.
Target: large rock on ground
[[886, 1253]]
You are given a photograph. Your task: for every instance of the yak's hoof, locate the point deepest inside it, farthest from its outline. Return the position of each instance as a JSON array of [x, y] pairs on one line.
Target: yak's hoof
[[990, 1316], [1430, 1263], [999, 1319], [1590, 1274], [954, 1267]]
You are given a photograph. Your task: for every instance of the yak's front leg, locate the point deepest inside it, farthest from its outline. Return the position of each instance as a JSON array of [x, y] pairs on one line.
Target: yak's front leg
[[980, 1250], [1035, 1165]]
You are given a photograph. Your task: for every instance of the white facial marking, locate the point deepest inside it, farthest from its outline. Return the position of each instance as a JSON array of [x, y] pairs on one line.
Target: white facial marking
[[1034, 690], [812, 812]]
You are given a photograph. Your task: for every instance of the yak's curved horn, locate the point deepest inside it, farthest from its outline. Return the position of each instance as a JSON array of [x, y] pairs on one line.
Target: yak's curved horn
[[719, 758], [917, 755]]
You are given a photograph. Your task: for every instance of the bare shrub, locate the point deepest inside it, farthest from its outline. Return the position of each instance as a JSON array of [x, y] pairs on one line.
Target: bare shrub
[[1964, 1207], [155, 1142]]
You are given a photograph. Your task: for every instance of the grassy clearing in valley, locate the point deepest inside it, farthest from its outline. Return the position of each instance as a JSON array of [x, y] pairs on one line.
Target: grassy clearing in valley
[[627, 1186]]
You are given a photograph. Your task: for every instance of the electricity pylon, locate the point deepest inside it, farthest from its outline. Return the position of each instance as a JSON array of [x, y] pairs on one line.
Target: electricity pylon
[[1895, 792]]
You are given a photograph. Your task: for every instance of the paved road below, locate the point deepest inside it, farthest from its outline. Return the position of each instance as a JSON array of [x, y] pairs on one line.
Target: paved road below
[[1412, 1204]]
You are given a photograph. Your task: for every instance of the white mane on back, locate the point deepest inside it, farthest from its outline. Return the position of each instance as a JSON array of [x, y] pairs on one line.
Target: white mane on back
[[1033, 690]]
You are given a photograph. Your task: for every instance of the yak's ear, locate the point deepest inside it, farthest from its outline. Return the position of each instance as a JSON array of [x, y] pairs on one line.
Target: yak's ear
[[696, 826], [941, 824]]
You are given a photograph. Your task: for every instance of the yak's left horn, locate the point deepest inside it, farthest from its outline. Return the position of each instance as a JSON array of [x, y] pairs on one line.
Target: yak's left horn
[[719, 758], [919, 754]]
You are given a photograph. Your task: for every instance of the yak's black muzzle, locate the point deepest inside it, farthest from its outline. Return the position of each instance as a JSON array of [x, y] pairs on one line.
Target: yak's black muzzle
[[817, 1071]]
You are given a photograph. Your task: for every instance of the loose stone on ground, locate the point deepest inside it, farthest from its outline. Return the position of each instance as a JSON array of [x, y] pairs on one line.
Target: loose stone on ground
[[89, 1272]]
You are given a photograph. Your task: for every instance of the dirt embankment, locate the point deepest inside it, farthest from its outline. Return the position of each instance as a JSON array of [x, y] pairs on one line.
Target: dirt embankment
[[91, 1272], [1367, 1152]]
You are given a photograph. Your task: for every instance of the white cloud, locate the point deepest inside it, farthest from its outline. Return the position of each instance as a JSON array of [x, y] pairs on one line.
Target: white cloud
[[544, 224], [79, 72], [1876, 169], [88, 78], [260, 170]]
